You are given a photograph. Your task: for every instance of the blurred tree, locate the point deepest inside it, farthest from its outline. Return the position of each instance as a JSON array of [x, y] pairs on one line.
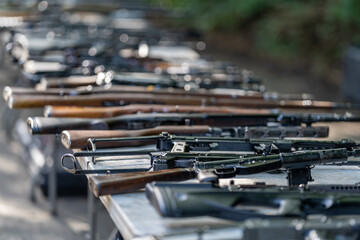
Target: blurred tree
[[282, 29]]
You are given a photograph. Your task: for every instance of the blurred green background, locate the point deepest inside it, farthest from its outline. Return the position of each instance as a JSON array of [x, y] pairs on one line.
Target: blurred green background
[[305, 34]]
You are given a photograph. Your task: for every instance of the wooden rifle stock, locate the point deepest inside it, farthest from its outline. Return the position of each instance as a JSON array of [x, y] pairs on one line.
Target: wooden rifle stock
[[78, 138], [103, 112], [66, 82], [130, 182], [31, 101]]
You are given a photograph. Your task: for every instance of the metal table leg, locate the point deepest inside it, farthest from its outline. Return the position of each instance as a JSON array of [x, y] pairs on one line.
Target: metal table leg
[[115, 235], [52, 188], [92, 214]]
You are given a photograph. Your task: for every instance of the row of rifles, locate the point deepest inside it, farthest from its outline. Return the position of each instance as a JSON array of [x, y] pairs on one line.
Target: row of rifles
[[116, 87]]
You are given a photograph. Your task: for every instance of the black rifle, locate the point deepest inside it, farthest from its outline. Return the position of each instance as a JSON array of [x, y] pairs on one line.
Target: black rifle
[[42, 125], [297, 164], [226, 164], [187, 151], [247, 201]]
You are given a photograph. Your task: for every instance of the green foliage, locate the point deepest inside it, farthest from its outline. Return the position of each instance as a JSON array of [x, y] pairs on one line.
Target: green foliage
[[212, 15], [281, 28]]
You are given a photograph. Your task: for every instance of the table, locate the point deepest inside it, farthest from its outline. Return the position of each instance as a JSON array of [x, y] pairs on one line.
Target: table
[[135, 218]]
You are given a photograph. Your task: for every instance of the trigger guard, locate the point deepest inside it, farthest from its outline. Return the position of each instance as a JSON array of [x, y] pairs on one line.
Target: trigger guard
[[225, 172]]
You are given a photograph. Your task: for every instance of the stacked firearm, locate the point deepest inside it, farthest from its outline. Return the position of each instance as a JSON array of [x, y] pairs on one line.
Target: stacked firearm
[[116, 88]]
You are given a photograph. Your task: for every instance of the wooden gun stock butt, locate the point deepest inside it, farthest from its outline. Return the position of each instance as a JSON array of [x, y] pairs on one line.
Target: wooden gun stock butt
[[66, 82], [79, 112], [129, 182]]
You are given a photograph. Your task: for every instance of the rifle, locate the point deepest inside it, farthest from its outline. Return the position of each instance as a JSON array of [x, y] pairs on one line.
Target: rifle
[[78, 138], [229, 156], [181, 150], [297, 164], [216, 92], [103, 112], [261, 201], [32, 101], [194, 81], [42, 125]]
